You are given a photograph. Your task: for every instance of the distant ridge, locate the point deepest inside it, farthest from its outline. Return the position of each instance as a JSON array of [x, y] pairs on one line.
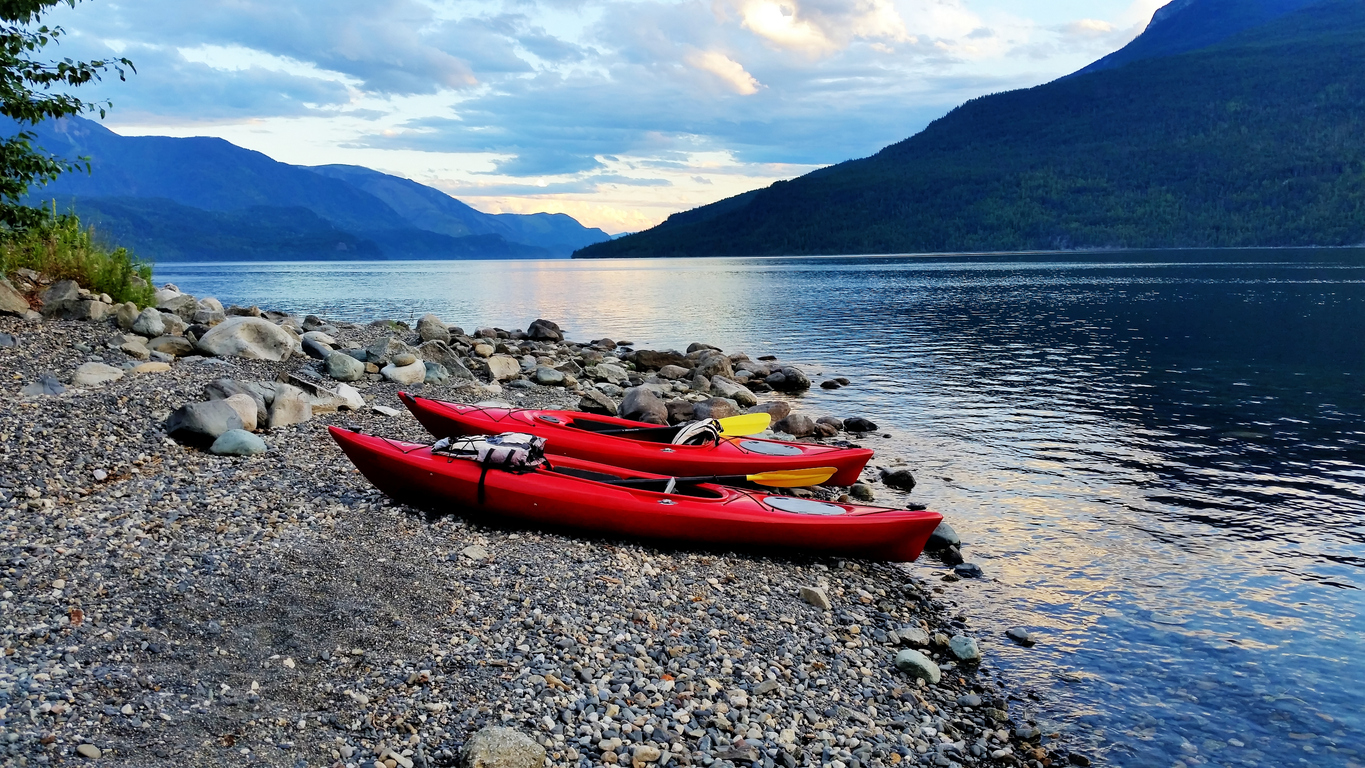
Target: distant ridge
[[187, 198], [1258, 140]]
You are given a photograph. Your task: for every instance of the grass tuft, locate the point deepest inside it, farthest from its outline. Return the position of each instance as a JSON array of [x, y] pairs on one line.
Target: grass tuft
[[64, 250]]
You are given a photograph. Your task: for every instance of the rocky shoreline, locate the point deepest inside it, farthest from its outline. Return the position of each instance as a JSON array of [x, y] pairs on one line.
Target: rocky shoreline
[[172, 597]]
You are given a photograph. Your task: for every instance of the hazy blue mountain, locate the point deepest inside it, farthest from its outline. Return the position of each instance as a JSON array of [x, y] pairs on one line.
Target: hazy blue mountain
[[1256, 141], [1187, 25], [179, 179], [431, 209]]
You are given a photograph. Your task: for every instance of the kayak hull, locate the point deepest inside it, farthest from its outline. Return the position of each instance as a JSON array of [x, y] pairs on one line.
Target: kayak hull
[[716, 515], [732, 456]]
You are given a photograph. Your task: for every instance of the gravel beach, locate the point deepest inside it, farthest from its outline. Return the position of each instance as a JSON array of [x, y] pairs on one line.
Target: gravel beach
[[163, 605]]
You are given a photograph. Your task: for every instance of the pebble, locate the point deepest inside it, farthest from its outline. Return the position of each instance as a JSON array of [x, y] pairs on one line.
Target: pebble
[[817, 597], [89, 751]]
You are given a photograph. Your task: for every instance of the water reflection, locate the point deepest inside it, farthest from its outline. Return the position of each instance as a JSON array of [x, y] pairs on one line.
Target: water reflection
[[1157, 458]]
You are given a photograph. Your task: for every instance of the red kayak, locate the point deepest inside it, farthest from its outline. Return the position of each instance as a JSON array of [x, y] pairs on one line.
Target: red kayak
[[579, 494], [647, 448]]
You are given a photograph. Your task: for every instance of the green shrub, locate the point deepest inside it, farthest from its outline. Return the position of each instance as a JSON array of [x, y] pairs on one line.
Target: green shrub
[[64, 250]]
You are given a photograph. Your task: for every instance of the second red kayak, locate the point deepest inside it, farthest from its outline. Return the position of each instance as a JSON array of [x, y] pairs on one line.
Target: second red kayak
[[582, 436], [565, 492]]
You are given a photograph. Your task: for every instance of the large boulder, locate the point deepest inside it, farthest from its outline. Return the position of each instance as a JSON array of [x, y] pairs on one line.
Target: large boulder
[[175, 346], [437, 351], [95, 375], [497, 747], [715, 408], [202, 423], [723, 387], [680, 411], [430, 328], [610, 373], [222, 389], [503, 367], [712, 364], [249, 337], [788, 379], [778, 409], [291, 405], [641, 404], [344, 367], [544, 330], [412, 373], [245, 406], [315, 349], [596, 402], [796, 425], [125, 315], [383, 351], [652, 360], [11, 301], [182, 305], [60, 299]]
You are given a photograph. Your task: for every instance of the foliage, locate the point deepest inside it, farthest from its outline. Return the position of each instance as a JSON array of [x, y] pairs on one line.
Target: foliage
[[59, 247], [27, 97], [1259, 141]]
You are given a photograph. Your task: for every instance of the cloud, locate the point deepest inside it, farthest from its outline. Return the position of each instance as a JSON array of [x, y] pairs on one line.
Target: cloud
[[1088, 28], [727, 70], [820, 27]]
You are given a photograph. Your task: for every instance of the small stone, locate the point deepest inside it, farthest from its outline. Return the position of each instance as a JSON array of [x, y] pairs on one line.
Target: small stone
[[796, 425], [175, 346], [202, 423], [436, 373], [238, 442], [913, 636], [965, 649], [642, 404], [475, 552], [498, 747], [1020, 636], [95, 375], [344, 367], [384, 410], [89, 751], [544, 330], [316, 349], [918, 665], [968, 570], [1076, 758], [150, 368], [100, 475], [969, 700], [817, 597], [149, 323], [403, 359], [830, 384], [47, 384]]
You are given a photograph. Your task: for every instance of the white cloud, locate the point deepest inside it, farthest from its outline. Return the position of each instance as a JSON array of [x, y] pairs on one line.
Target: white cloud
[[728, 70], [820, 27]]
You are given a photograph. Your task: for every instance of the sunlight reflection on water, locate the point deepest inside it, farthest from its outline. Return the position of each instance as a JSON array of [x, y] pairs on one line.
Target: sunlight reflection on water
[[1156, 458]]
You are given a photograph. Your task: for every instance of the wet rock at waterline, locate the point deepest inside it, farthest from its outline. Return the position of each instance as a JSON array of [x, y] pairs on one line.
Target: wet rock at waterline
[[1021, 636], [943, 537], [859, 424], [900, 479]]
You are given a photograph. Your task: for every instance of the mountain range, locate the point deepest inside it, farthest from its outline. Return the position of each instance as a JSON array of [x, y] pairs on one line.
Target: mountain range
[[191, 198], [1225, 123]]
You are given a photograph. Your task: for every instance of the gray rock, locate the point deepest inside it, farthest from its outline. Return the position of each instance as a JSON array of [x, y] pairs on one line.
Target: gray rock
[[430, 328], [674, 372], [237, 442], [817, 597], [612, 373], [149, 323], [680, 411], [969, 700], [343, 367], [859, 424], [716, 408], [249, 337], [833, 421], [89, 751], [404, 359], [544, 330], [383, 351], [830, 384], [596, 402], [125, 315], [796, 425], [47, 384], [1020, 636], [222, 389], [968, 570], [61, 299], [209, 304], [503, 367], [778, 409], [413, 373], [316, 349], [7, 341], [964, 649], [899, 478], [641, 404], [650, 360], [549, 377], [175, 346], [723, 387], [202, 423], [11, 301], [943, 537], [950, 555], [245, 406], [437, 351], [290, 405], [862, 492], [182, 305], [917, 665], [95, 375], [207, 317], [712, 364], [788, 379], [498, 747], [436, 373], [913, 636], [175, 326]]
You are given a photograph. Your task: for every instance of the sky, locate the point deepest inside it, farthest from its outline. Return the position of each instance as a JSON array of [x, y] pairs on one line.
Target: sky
[[617, 112]]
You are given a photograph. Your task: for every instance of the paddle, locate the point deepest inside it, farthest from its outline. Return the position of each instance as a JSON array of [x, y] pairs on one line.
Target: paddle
[[782, 478], [731, 426]]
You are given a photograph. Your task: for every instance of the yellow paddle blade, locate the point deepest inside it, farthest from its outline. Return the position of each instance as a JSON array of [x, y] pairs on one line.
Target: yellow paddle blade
[[744, 424], [793, 478]]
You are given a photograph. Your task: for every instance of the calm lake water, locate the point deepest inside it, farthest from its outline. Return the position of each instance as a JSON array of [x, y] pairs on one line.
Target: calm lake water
[[1158, 458]]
